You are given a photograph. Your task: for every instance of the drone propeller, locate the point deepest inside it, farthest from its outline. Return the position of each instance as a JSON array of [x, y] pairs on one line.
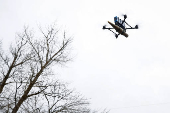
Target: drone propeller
[[136, 27], [124, 15], [104, 27]]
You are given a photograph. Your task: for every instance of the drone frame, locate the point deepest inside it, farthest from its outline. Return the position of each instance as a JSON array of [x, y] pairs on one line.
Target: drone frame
[[124, 21]]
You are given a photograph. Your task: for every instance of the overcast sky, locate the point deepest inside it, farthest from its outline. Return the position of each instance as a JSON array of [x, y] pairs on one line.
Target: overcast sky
[[125, 75]]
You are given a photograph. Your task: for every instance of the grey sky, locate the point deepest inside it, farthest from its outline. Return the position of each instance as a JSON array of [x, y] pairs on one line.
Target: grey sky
[[126, 75]]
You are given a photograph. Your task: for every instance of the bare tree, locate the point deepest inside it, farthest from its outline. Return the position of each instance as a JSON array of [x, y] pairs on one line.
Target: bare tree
[[39, 55], [27, 81], [47, 51]]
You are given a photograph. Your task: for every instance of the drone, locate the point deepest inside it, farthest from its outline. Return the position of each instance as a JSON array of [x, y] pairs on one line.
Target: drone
[[119, 26]]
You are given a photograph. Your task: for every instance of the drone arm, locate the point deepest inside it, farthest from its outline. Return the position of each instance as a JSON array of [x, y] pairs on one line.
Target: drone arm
[[107, 28], [116, 35], [128, 24], [124, 21], [131, 28], [112, 31]]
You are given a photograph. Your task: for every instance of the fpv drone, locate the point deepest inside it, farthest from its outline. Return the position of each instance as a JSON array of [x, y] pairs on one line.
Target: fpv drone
[[119, 26]]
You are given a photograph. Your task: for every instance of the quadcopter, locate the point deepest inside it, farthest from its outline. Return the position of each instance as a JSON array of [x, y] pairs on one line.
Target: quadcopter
[[119, 26]]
